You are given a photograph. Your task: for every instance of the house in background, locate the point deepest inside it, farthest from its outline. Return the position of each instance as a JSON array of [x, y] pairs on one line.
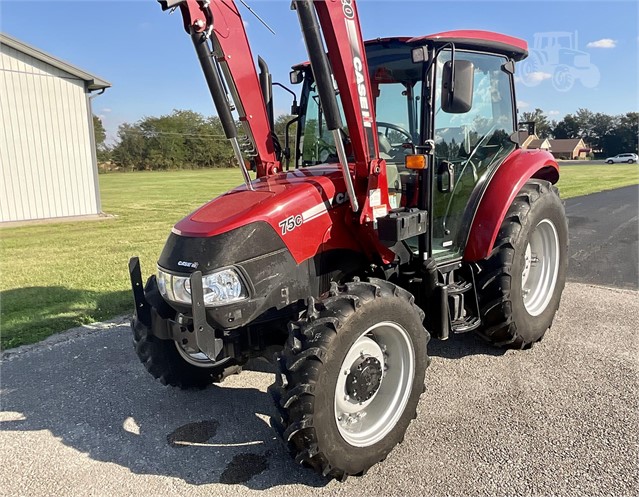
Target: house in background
[[528, 137], [48, 165], [568, 149]]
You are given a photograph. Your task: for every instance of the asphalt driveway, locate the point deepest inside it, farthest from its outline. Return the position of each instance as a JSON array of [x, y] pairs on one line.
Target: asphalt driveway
[[603, 238], [81, 416]]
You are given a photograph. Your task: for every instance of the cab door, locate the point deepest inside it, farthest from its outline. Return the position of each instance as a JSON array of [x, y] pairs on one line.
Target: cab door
[[468, 148]]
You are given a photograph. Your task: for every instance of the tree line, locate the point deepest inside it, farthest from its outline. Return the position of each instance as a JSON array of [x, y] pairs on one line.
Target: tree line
[[185, 139], [605, 134]]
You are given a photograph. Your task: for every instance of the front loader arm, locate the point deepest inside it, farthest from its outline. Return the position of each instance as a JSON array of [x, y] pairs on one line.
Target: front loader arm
[[221, 22], [340, 29], [340, 26], [343, 36]]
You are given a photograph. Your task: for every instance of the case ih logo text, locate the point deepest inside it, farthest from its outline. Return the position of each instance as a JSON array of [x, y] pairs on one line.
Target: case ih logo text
[[339, 199], [361, 89], [193, 265], [348, 9]]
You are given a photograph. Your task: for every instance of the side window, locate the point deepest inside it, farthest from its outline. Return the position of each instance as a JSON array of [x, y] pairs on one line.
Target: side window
[[469, 145], [318, 145]]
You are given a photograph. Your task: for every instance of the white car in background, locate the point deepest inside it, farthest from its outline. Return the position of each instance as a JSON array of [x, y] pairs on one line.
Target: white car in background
[[629, 158]]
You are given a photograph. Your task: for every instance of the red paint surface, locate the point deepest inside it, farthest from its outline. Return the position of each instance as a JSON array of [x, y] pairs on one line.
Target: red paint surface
[[504, 186], [475, 34], [276, 198]]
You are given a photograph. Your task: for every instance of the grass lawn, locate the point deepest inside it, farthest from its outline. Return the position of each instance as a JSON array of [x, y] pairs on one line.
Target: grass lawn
[[60, 275]]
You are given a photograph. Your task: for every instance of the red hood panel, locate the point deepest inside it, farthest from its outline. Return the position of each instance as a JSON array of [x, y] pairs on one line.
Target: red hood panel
[[296, 204], [234, 203]]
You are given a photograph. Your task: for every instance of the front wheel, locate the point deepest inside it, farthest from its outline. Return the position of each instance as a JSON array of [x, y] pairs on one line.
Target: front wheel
[[350, 378], [520, 284], [169, 361], [609, 161]]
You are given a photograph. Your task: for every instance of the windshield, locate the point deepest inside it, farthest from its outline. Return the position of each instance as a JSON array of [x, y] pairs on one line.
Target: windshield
[[396, 90]]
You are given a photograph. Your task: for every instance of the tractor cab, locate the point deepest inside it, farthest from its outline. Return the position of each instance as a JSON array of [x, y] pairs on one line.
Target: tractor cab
[[469, 143]]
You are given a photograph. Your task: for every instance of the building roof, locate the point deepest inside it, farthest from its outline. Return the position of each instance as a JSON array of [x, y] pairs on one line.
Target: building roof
[[536, 143], [565, 145], [93, 81], [522, 136]]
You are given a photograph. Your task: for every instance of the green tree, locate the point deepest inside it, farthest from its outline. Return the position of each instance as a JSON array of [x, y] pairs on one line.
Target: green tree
[[568, 127], [280, 132], [542, 124], [131, 149], [103, 152], [99, 132], [182, 139]]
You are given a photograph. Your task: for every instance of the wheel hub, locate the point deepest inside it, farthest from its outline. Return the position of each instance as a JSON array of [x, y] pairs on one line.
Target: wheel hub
[[374, 384], [364, 378]]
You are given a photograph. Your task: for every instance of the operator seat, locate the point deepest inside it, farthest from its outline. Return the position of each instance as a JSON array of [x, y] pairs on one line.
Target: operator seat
[[392, 173]]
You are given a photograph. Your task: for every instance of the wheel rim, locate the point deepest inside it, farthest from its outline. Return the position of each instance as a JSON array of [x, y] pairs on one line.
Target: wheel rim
[[387, 347], [195, 358], [541, 266]]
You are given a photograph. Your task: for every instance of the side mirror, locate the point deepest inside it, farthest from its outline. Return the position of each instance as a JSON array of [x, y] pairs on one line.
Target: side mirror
[[296, 76], [419, 55], [457, 86]]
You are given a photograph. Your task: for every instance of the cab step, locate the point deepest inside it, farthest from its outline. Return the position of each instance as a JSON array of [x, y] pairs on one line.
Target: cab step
[[465, 325]]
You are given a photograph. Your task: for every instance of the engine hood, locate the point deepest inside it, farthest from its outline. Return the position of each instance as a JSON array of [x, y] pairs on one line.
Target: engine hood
[[296, 204]]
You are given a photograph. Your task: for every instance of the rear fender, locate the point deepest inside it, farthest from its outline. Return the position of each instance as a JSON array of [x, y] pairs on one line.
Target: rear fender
[[502, 190]]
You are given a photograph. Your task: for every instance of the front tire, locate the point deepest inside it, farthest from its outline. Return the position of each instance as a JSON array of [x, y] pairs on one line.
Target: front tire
[[350, 377], [167, 361], [520, 284], [609, 162]]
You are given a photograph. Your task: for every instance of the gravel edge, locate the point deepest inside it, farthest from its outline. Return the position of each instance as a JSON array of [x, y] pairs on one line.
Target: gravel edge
[[65, 336]]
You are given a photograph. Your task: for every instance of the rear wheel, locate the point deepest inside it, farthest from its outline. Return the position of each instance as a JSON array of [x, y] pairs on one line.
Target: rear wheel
[[630, 161], [520, 284], [169, 361], [350, 377]]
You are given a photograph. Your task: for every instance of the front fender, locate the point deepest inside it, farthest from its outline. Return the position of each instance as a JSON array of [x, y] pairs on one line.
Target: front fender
[[502, 190]]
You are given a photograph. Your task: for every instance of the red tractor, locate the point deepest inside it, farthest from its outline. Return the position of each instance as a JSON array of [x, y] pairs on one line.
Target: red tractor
[[418, 216]]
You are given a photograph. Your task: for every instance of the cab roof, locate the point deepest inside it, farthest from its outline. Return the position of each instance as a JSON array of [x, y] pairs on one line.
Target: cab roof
[[515, 48], [472, 39]]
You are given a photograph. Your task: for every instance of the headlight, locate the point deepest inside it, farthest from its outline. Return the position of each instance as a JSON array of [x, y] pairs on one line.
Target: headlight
[[222, 287]]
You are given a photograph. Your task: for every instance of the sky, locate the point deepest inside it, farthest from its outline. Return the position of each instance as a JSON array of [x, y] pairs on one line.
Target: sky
[[150, 60]]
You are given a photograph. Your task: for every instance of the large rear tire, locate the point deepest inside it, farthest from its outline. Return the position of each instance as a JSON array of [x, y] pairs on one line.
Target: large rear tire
[[350, 377], [168, 361], [520, 284]]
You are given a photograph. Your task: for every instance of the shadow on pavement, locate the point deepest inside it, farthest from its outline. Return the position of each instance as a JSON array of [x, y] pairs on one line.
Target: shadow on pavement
[[95, 396], [462, 345]]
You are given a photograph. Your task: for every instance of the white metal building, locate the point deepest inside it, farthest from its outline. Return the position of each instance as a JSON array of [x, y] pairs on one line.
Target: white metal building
[[48, 165]]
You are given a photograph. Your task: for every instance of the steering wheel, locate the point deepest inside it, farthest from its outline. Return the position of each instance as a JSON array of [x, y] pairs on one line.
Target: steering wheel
[[394, 127], [389, 126]]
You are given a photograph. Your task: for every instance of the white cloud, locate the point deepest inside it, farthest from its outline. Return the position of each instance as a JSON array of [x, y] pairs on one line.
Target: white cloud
[[553, 112], [603, 43], [522, 105], [538, 76], [106, 110]]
